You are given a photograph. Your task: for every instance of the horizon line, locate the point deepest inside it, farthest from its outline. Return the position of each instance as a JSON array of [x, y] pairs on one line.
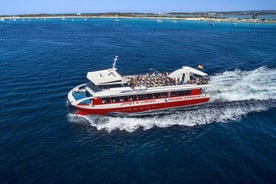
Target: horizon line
[[109, 12]]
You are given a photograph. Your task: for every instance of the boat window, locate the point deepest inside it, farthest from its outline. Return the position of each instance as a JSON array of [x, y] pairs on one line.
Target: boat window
[[105, 100], [188, 92], [111, 86], [164, 95], [132, 97], [85, 102], [156, 95], [140, 97], [115, 99], [173, 93], [124, 98], [181, 93], [87, 93], [149, 96], [93, 87]]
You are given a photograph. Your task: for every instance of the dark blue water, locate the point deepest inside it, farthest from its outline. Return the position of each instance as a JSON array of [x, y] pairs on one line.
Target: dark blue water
[[230, 140]]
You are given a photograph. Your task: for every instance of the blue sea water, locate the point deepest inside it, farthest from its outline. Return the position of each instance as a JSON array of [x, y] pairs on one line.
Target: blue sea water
[[230, 140]]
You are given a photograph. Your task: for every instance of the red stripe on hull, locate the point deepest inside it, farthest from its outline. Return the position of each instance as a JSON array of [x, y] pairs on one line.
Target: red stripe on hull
[[142, 108]]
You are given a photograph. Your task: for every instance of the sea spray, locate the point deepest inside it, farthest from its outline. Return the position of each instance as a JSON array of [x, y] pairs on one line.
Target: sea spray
[[237, 85]]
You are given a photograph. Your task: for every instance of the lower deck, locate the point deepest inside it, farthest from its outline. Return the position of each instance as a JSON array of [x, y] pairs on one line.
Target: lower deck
[[143, 106], [136, 101]]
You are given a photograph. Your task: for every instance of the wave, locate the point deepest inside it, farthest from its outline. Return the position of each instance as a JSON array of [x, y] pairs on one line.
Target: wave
[[234, 94], [238, 85]]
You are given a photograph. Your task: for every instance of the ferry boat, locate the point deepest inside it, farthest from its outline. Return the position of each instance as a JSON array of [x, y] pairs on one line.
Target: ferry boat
[[108, 92]]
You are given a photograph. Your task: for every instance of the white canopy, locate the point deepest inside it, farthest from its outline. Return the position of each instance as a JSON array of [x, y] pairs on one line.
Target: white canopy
[[186, 72], [103, 77]]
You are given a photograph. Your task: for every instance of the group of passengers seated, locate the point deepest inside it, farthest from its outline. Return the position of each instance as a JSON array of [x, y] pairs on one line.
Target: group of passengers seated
[[197, 80], [152, 80], [157, 79]]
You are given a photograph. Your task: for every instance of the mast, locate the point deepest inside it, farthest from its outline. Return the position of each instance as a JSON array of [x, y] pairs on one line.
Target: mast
[[114, 63]]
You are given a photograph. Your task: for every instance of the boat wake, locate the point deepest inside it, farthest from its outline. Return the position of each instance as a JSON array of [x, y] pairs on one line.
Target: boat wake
[[237, 85], [234, 94]]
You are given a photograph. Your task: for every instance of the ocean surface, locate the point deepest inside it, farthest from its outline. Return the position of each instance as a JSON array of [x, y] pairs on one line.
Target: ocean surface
[[232, 139]]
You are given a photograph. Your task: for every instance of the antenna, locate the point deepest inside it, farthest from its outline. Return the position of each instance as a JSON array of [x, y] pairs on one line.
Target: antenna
[[114, 64]]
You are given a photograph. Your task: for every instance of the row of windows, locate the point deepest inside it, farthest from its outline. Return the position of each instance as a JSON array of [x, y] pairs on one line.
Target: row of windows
[[145, 96]]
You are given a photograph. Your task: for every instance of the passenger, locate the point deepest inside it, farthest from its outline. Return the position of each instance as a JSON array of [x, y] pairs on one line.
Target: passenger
[[153, 80]]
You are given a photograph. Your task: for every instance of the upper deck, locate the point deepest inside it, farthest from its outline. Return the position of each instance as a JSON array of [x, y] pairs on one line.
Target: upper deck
[[157, 79], [109, 82]]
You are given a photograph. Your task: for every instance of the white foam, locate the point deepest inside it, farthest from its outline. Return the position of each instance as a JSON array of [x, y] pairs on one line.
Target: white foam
[[237, 85], [223, 113], [234, 95]]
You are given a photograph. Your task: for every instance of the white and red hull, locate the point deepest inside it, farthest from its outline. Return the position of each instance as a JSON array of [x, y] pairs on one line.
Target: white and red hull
[[142, 106]]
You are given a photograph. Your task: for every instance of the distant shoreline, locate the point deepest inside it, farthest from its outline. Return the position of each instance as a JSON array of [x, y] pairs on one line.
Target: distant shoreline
[[199, 18]]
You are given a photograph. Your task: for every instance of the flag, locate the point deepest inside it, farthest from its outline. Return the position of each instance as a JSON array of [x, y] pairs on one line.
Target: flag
[[200, 67]]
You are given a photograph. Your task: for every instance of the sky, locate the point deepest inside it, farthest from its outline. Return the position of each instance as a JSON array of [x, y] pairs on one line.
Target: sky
[[8, 7]]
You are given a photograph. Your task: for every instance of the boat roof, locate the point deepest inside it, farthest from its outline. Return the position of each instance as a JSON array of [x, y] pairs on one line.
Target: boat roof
[[105, 77], [187, 69]]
